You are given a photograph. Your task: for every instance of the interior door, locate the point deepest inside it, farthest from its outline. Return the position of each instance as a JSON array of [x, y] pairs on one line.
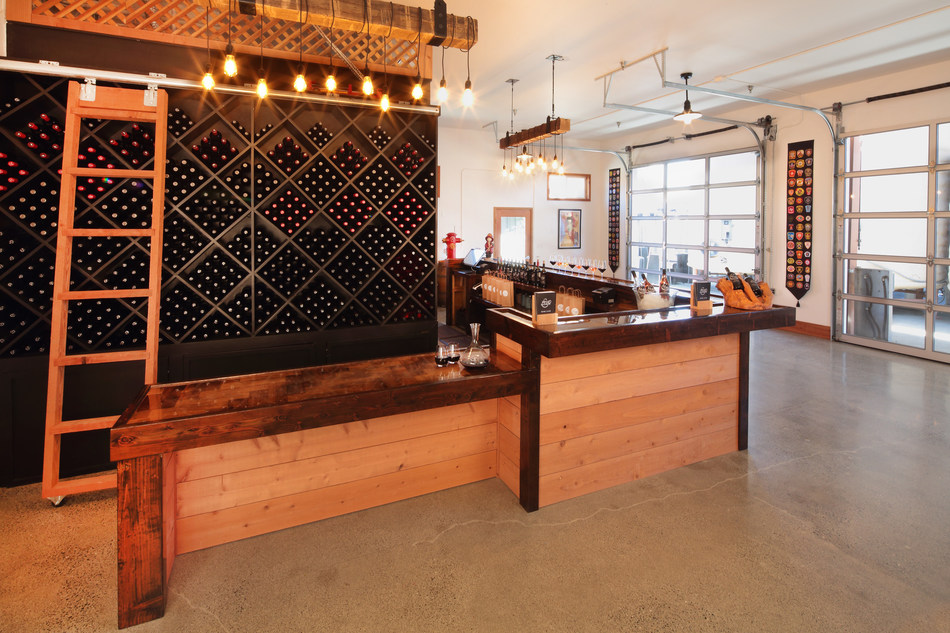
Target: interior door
[[512, 231]]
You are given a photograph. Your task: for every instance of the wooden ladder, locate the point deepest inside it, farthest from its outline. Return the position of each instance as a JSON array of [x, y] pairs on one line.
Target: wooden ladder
[[121, 104]]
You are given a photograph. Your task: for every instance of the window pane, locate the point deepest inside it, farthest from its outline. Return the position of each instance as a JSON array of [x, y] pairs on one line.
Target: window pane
[[686, 202], [646, 257], [648, 177], [646, 231], [685, 232], [686, 173], [943, 143], [734, 233], [647, 204], [899, 325], [732, 167], [512, 244], [736, 262], [732, 201], [900, 192], [942, 332], [942, 203], [897, 237], [690, 261], [890, 280], [886, 150]]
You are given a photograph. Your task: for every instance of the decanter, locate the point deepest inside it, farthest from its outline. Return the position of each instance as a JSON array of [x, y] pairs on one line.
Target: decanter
[[474, 357]]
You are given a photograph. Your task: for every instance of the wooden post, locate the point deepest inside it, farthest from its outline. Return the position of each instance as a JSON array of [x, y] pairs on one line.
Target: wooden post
[[530, 458], [140, 549]]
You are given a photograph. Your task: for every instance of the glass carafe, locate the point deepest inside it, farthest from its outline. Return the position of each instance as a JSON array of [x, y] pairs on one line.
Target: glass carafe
[[474, 357]]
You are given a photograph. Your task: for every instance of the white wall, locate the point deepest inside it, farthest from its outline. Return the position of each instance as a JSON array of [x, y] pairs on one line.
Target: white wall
[[794, 125], [471, 186]]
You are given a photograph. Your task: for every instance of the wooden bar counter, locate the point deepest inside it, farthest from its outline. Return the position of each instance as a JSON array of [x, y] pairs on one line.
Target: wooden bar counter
[[212, 461], [623, 395]]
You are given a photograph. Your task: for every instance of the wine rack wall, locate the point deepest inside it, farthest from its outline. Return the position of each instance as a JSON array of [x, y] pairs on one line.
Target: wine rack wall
[[280, 218]]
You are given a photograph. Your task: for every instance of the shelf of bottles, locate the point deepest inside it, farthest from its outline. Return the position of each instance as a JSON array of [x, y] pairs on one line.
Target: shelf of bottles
[[613, 219], [280, 217], [528, 278]]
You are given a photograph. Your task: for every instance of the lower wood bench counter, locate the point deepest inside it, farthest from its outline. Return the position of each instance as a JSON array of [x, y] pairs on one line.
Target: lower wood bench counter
[[212, 461]]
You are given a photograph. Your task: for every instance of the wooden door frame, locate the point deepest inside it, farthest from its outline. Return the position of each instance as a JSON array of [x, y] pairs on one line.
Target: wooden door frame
[[516, 212]]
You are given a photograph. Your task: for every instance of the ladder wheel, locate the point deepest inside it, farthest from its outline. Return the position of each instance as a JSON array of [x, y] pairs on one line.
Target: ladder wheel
[[56, 501]]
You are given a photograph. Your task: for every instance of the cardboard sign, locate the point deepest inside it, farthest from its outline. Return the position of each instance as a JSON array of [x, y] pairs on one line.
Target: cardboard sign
[[700, 302], [544, 307]]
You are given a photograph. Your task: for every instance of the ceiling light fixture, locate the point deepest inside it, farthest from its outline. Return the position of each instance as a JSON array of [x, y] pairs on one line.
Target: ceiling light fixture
[[468, 98], [417, 89], [367, 80], [208, 80], [230, 63], [687, 116], [331, 78], [551, 127], [261, 82], [300, 83]]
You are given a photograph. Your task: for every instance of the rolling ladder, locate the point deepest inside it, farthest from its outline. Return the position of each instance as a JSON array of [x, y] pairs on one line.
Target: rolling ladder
[[88, 101]]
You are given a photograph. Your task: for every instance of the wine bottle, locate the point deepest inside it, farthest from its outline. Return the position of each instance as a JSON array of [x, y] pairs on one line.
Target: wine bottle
[[734, 278], [664, 282]]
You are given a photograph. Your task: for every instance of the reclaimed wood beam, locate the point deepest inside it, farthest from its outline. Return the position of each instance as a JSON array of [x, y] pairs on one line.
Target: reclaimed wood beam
[[402, 22], [550, 128]]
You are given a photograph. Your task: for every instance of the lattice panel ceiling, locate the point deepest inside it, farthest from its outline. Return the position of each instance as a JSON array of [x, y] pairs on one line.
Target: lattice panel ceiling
[[183, 21]]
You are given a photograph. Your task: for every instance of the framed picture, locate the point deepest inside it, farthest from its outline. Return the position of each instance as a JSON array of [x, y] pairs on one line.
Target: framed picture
[[568, 228], [569, 187]]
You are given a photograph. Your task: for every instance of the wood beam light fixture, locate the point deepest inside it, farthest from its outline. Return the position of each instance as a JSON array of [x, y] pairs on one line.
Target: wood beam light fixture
[[407, 22]]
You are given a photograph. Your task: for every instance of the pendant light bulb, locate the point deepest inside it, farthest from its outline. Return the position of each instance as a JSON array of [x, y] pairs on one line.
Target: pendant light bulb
[[331, 83], [554, 163], [208, 80], [443, 93], [417, 89], [687, 116], [467, 97], [300, 83], [560, 170], [384, 102], [261, 87], [230, 63], [367, 84]]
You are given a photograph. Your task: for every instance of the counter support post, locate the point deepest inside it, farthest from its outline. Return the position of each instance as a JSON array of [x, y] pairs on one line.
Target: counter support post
[[530, 431], [743, 391], [140, 544]]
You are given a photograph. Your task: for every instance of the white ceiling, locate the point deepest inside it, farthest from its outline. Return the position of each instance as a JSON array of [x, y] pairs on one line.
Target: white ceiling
[[781, 49]]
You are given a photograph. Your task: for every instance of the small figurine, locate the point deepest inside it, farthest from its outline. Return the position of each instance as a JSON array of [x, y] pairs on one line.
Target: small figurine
[[489, 246], [450, 240]]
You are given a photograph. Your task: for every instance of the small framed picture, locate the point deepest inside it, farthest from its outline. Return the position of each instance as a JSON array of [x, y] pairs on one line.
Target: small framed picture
[[568, 228]]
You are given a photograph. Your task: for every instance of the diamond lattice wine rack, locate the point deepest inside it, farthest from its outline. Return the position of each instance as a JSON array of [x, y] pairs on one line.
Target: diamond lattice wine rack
[[280, 218]]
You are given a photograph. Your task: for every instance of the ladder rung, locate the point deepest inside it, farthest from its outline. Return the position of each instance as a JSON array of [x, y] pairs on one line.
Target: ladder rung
[[124, 293], [102, 172], [105, 232], [82, 484], [100, 357], [89, 424]]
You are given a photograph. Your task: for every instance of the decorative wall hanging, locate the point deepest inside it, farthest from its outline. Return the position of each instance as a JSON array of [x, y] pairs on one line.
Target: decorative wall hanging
[[613, 219], [568, 228], [798, 207]]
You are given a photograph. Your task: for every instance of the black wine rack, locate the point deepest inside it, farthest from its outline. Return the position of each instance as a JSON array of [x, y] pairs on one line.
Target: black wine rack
[[280, 218], [613, 219]]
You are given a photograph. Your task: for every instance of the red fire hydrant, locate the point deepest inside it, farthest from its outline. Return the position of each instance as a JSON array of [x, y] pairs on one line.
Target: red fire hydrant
[[450, 240]]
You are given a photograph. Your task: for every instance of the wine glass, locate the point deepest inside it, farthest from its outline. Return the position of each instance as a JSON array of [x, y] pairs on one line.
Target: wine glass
[[453, 354], [571, 262], [442, 355], [585, 264], [602, 267]]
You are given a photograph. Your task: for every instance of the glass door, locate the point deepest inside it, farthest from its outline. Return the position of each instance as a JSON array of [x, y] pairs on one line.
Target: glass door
[[892, 234], [512, 233]]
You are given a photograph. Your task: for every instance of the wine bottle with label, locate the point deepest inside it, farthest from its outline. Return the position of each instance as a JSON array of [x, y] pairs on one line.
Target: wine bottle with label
[[664, 282], [734, 278], [756, 290]]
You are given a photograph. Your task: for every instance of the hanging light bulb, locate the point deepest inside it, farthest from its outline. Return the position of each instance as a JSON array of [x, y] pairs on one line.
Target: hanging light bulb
[[687, 116], [417, 89], [230, 63], [367, 80], [300, 83], [384, 103], [208, 80], [367, 83], [261, 82], [331, 83], [262, 87], [468, 98], [443, 92], [555, 163]]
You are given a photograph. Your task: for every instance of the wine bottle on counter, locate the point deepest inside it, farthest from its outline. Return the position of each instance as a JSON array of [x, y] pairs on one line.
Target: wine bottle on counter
[[664, 282], [734, 278], [756, 290], [647, 286]]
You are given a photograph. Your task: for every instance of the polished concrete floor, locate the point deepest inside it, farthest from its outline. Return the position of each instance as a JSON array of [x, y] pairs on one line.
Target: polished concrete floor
[[836, 519]]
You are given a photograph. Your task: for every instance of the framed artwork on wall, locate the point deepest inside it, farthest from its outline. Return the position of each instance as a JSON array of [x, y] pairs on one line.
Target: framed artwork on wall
[[569, 187], [568, 228]]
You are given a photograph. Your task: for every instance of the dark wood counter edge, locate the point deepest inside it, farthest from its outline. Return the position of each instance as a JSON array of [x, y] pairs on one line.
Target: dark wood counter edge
[[556, 344], [163, 436]]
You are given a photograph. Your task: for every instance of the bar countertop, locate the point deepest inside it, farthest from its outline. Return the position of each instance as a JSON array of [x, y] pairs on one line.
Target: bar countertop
[[171, 417], [599, 332]]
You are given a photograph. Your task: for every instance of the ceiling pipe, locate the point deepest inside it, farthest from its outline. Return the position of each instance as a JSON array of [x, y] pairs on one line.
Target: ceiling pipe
[[161, 81]]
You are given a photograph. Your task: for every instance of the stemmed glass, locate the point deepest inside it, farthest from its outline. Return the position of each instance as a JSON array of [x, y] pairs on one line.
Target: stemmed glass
[[602, 267]]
